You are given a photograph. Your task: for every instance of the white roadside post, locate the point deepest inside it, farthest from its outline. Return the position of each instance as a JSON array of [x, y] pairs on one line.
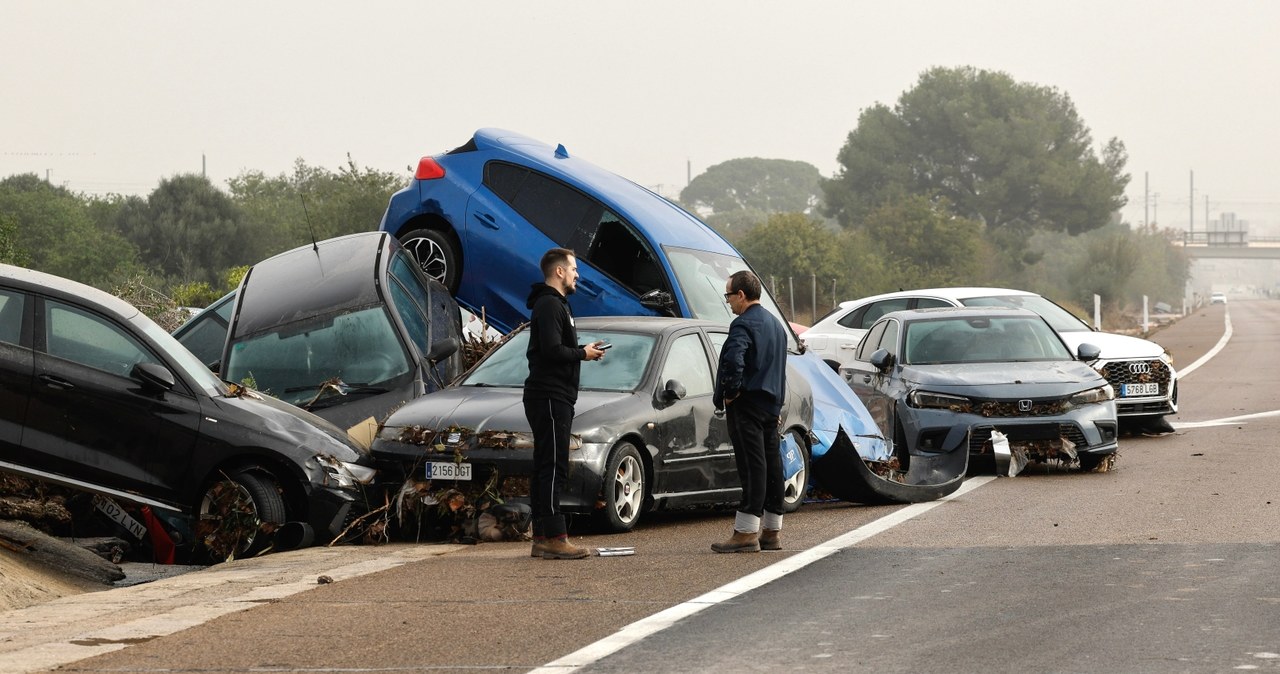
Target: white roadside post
[[1097, 312]]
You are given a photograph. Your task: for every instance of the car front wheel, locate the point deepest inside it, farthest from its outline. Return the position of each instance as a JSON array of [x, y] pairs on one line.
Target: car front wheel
[[438, 255], [624, 489], [238, 514], [794, 487]]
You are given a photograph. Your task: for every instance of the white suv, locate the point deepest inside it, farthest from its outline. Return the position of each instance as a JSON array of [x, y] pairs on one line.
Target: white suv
[[1140, 370]]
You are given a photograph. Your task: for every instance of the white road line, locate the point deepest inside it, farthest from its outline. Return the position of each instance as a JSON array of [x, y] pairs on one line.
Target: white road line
[[1227, 421], [657, 622], [1222, 343]]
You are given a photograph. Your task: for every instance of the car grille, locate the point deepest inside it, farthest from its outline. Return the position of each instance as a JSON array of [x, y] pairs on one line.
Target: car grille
[[1016, 408], [980, 437], [1137, 372]]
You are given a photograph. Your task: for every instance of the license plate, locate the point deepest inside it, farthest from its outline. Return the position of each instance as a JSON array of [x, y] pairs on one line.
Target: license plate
[[115, 512], [1130, 390], [445, 470]]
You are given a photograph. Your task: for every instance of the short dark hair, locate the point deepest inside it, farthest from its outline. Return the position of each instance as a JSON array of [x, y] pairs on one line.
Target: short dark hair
[[554, 258], [747, 282]]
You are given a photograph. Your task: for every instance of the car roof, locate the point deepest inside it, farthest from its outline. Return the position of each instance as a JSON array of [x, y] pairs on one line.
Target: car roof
[[960, 312], [57, 286], [954, 294], [324, 277], [664, 221]]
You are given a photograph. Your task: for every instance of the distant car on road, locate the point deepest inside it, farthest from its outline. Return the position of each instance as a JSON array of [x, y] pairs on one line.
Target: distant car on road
[[1140, 371], [95, 396], [937, 380], [1218, 298]]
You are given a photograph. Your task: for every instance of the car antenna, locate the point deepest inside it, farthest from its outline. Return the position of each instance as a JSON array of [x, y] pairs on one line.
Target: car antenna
[[314, 246]]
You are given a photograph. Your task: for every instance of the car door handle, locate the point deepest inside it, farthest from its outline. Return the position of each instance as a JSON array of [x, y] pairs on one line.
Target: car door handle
[[487, 220], [56, 382], [848, 346], [588, 288]]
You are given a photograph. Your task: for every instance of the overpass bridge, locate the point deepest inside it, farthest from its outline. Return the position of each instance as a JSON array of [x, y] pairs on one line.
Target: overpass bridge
[[1231, 245]]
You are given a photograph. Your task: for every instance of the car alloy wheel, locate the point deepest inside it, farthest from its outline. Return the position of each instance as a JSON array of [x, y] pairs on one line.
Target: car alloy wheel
[[624, 489], [437, 255], [238, 513], [794, 487]]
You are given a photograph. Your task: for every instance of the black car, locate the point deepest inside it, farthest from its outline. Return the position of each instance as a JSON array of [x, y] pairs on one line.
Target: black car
[[348, 328], [645, 435], [95, 396]]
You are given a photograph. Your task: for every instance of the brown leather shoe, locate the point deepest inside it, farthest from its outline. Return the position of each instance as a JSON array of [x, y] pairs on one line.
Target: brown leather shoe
[[769, 539], [739, 542], [539, 546], [561, 548]]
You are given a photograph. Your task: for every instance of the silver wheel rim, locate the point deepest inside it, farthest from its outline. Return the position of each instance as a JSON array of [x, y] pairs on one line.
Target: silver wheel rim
[[430, 257], [793, 487], [242, 498], [628, 489]]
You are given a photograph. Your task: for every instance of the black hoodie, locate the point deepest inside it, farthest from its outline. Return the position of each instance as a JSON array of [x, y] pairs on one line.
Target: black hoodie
[[554, 355]]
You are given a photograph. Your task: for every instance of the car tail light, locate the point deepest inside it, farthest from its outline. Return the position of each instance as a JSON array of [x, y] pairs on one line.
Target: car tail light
[[428, 169]]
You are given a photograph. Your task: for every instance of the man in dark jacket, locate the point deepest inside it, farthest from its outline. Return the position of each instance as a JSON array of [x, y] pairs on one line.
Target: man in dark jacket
[[750, 387], [549, 395]]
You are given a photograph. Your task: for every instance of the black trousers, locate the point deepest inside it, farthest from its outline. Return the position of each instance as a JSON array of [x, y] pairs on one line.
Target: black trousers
[[551, 422], [757, 449]]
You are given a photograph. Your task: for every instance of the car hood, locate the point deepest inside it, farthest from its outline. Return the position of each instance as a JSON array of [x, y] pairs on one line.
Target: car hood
[[1005, 380], [1114, 347], [267, 416], [482, 408]]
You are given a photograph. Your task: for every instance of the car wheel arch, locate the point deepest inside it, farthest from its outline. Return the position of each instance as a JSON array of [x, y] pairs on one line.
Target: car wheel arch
[[436, 223], [288, 476]]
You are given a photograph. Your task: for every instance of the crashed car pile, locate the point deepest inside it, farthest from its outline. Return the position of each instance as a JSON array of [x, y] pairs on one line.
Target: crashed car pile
[[364, 332]]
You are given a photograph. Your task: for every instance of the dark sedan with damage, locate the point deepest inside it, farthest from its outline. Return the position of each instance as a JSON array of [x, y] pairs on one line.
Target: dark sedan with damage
[[95, 396], [997, 380], [645, 435]]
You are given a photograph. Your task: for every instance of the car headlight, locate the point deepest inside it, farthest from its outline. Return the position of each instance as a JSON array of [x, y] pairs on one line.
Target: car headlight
[[343, 474], [943, 401], [1093, 395], [1167, 357]]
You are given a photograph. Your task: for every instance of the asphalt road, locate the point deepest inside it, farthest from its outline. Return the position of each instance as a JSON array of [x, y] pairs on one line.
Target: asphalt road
[[1170, 563]]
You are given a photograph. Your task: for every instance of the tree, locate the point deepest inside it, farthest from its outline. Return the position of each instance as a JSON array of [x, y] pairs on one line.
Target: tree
[[800, 248], [187, 230], [1011, 155], [926, 245], [767, 185], [55, 234], [286, 211], [10, 253]]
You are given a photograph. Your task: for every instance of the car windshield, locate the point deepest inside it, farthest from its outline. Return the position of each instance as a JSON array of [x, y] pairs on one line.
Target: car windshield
[[981, 340], [702, 276], [292, 361], [1061, 319], [622, 369]]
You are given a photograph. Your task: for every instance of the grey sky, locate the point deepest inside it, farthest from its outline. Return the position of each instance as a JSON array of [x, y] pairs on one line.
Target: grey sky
[[114, 96]]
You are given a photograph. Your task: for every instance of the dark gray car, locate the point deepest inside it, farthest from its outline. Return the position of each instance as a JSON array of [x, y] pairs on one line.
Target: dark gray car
[[940, 380], [347, 328]]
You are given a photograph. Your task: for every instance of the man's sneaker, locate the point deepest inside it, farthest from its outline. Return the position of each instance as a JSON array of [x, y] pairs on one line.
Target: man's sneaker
[[561, 548]]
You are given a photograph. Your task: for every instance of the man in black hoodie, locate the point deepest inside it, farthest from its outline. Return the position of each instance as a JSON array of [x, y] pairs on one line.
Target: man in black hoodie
[[549, 395]]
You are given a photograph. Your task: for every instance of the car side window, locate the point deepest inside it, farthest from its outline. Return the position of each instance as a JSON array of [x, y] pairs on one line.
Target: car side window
[[88, 339], [11, 304], [559, 211], [889, 338], [931, 303], [870, 342], [866, 317], [618, 251], [687, 364]]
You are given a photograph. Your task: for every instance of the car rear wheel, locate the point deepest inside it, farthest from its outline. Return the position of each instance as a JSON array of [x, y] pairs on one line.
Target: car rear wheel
[[238, 513], [437, 254], [794, 487], [624, 489]]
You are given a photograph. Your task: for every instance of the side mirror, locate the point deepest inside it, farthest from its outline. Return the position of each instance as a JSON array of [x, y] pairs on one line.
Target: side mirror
[[882, 360], [156, 378], [442, 349], [658, 300], [672, 391], [1088, 352], [214, 366]]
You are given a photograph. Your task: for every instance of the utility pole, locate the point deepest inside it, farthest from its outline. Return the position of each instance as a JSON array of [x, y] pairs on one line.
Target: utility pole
[[1191, 203], [1146, 198]]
